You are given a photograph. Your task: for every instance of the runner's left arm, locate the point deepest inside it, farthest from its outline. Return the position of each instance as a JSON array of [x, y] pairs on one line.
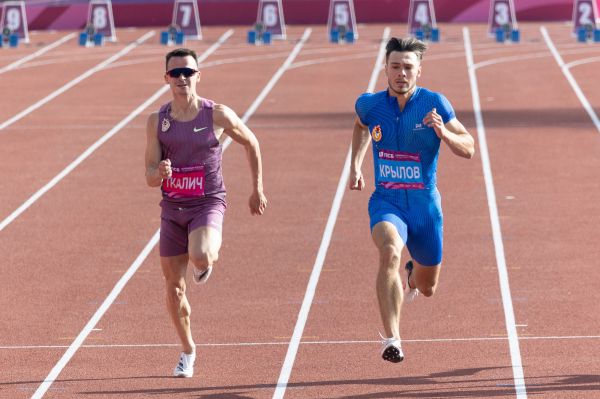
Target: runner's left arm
[[453, 133], [235, 128]]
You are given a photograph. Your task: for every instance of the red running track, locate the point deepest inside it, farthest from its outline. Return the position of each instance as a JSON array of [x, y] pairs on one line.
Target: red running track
[[63, 255]]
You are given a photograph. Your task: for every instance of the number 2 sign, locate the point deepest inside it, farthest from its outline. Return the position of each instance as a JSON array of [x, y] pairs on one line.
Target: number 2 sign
[[585, 14]]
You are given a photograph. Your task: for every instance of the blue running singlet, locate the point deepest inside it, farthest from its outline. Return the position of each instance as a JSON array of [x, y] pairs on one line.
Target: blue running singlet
[[405, 154]]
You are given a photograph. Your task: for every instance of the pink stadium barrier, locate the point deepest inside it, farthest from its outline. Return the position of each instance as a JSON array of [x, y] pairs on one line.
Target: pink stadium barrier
[[63, 14]]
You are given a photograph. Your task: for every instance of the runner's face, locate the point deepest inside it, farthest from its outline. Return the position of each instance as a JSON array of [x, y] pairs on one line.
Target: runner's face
[[402, 70], [181, 84]]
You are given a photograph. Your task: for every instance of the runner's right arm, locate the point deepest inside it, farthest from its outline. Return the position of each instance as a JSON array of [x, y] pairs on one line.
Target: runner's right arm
[[156, 169], [360, 143]]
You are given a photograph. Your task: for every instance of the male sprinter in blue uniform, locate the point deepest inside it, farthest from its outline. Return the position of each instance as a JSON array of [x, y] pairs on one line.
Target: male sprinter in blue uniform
[[405, 123]]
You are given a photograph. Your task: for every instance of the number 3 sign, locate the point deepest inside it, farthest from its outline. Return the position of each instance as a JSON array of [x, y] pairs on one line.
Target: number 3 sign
[[502, 15]]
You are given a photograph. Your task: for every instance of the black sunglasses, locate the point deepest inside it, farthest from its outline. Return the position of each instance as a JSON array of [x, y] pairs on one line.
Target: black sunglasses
[[177, 72]]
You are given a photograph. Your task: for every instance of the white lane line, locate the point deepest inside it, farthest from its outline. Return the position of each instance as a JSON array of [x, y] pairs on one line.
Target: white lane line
[[37, 53], [56, 370], [290, 356], [509, 316], [69, 168], [581, 62], [274, 79], [76, 81], [281, 343], [284, 67], [513, 58], [565, 70]]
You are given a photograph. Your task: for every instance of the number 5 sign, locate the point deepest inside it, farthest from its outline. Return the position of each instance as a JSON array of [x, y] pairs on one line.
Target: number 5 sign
[[186, 17], [420, 14], [14, 18], [502, 15], [270, 16], [342, 17], [101, 17], [585, 14]]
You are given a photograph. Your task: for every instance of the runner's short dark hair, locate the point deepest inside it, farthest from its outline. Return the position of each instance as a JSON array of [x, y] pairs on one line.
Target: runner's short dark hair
[[180, 52], [405, 44]]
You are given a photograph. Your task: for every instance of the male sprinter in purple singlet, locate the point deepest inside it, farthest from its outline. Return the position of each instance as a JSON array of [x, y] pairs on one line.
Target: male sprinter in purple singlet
[[406, 124], [183, 156]]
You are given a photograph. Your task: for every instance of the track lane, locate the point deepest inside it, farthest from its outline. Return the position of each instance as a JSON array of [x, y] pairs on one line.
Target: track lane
[[82, 174], [466, 288], [73, 240], [543, 149]]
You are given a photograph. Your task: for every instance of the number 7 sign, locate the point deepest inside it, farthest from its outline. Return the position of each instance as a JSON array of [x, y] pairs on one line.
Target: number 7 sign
[[186, 17]]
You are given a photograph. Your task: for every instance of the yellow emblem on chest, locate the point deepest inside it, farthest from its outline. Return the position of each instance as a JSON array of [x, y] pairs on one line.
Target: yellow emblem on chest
[[376, 133]]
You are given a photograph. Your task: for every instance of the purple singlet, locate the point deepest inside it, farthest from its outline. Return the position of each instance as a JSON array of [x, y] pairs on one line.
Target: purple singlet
[[195, 154], [194, 196]]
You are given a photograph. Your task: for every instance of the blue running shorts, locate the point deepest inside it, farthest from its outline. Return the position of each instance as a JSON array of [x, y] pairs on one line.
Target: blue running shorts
[[417, 215]]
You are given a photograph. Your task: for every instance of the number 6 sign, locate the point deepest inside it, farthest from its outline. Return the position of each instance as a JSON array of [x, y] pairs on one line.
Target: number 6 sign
[[270, 16]]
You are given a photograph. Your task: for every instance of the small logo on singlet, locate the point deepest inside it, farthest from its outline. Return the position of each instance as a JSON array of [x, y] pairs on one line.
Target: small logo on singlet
[[200, 129], [376, 133], [165, 125], [419, 126]]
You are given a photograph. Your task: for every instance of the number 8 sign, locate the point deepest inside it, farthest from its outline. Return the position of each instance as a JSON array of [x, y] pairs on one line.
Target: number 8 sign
[[101, 17], [270, 15]]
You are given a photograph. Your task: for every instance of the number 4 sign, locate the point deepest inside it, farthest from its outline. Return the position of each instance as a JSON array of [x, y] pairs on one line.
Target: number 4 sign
[[101, 17], [187, 18], [342, 17], [502, 15], [585, 14], [270, 16], [420, 15], [15, 19]]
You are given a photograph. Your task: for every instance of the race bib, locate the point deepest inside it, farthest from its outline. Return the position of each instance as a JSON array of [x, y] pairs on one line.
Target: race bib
[[185, 182], [400, 170]]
